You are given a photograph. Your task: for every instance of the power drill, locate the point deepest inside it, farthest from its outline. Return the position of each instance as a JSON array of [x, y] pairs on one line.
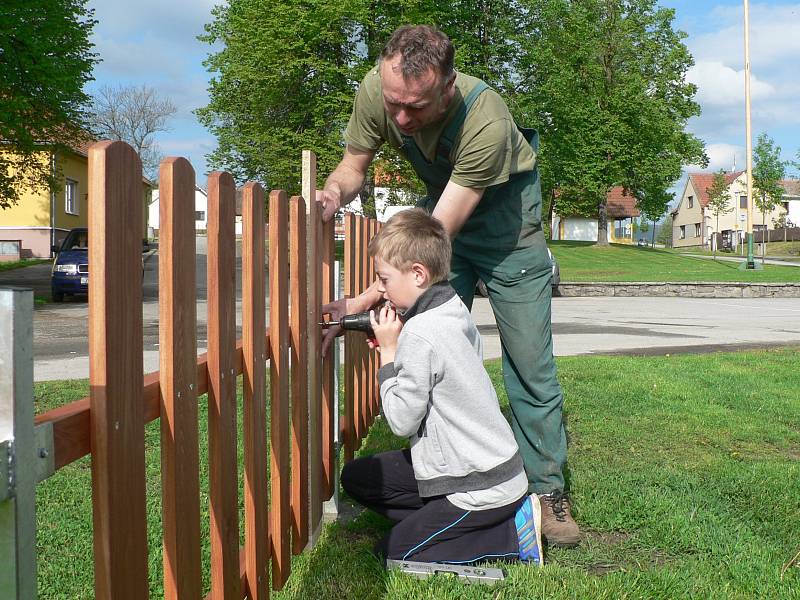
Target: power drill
[[355, 322]]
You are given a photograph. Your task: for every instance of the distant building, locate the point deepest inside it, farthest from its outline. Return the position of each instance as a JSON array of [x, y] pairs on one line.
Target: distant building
[[620, 210], [200, 211], [693, 223]]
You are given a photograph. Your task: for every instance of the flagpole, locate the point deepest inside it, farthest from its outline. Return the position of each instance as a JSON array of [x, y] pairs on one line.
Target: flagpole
[[750, 260]]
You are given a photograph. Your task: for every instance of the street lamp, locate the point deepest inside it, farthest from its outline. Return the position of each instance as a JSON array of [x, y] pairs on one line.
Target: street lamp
[[750, 263]]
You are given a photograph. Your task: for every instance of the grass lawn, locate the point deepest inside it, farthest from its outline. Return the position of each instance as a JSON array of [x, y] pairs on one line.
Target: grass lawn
[[684, 470], [583, 261], [18, 264]]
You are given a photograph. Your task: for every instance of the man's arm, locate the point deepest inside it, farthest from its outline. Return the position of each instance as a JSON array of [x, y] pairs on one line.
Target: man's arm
[[345, 182], [455, 206]]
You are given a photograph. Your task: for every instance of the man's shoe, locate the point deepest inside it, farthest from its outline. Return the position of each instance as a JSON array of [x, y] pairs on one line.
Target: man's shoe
[[529, 530], [558, 526]]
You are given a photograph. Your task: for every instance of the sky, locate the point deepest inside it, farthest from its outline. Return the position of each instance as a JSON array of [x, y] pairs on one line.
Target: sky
[[154, 42]]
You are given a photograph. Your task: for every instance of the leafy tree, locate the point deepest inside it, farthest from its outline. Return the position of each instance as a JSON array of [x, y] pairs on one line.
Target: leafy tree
[[46, 59], [718, 202], [665, 232], [604, 80], [768, 170], [133, 114]]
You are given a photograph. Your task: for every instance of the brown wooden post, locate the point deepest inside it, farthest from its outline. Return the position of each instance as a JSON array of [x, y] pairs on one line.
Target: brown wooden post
[[254, 358], [279, 387], [299, 372], [348, 419], [328, 395], [222, 428], [115, 372], [178, 380]]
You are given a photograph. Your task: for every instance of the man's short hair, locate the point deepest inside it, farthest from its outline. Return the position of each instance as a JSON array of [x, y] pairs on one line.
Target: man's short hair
[[421, 47], [413, 236]]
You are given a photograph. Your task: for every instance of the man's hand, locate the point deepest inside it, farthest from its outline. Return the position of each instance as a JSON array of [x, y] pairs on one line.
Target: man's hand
[[347, 306], [386, 332], [331, 201]]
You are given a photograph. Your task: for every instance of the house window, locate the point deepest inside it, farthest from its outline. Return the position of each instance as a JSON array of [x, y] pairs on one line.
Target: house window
[[199, 215], [683, 232], [743, 202], [697, 230], [691, 201], [71, 195]]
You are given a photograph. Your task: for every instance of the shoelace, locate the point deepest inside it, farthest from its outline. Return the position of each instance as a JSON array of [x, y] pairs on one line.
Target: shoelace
[[556, 502]]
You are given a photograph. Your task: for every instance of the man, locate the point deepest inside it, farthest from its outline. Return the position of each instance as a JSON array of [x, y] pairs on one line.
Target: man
[[482, 181]]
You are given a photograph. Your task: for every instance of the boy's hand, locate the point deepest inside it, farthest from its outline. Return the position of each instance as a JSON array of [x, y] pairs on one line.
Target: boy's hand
[[386, 331]]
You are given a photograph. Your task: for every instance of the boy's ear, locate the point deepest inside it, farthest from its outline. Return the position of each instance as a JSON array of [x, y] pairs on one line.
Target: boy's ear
[[421, 275]]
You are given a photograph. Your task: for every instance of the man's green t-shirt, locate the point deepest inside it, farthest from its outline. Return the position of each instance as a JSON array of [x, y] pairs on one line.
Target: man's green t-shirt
[[487, 151]]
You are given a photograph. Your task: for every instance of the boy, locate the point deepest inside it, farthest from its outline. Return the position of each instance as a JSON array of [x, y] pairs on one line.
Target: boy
[[459, 495]]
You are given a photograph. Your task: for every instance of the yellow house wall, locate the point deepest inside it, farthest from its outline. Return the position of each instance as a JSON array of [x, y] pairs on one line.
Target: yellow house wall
[[74, 167], [33, 209]]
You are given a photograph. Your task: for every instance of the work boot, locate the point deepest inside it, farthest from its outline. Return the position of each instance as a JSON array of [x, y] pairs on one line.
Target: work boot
[[558, 527]]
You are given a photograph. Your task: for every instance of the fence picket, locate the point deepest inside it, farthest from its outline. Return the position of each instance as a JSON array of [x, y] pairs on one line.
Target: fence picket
[[299, 372], [180, 459], [280, 517], [115, 372], [222, 428], [254, 384]]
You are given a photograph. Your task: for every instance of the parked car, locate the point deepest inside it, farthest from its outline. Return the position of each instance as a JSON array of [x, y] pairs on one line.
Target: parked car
[[70, 274], [555, 277], [641, 242]]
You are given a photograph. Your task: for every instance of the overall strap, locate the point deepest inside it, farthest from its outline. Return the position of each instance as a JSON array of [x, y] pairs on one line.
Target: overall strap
[[452, 129]]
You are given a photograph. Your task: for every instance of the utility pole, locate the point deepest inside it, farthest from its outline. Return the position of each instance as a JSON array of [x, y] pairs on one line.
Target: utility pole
[[750, 264]]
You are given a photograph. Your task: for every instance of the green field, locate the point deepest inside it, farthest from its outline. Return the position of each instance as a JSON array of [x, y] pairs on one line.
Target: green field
[[18, 264], [584, 261], [684, 470]]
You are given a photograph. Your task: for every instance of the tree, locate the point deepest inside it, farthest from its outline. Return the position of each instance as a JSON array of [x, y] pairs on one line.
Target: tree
[[605, 82], [718, 203], [133, 114], [665, 232], [46, 59], [768, 170]]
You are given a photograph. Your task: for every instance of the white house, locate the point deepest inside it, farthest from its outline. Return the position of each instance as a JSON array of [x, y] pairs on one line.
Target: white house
[[694, 224], [200, 212], [620, 211], [791, 201]]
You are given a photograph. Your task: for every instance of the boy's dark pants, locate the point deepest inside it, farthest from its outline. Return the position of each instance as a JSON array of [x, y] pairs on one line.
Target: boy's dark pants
[[427, 529]]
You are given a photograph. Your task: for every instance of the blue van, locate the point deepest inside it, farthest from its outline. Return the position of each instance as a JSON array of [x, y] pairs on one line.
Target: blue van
[[70, 274]]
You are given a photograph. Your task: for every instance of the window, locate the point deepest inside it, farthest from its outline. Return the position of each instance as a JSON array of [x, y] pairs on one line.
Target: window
[[199, 215], [683, 232], [71, 195], [697, 230], [743, 202], [691, 201]]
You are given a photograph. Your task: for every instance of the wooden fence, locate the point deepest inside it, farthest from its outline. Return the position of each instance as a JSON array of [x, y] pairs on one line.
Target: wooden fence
[[290, 456]]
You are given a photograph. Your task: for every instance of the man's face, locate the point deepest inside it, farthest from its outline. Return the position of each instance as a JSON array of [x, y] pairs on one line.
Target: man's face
[[414, 103]]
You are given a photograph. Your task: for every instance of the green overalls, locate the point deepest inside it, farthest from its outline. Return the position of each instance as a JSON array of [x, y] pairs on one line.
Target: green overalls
[[502, 243]]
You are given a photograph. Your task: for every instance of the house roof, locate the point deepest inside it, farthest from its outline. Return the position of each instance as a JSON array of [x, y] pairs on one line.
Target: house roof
[[702, 181], [619, 204], [791, 187]]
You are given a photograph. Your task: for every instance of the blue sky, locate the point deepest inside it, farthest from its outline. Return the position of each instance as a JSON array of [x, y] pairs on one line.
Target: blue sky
[[153, 42]]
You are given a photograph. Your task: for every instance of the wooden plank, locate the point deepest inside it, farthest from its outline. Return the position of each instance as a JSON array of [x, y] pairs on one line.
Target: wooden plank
[[254, 354], [115, 372], [328, 395], [314, 302], [180, 461], [279, 387], [299, 361], [348, 419], [222, 428]]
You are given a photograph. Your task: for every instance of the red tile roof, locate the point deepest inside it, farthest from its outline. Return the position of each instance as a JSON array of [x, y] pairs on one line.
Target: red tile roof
[[703, 181], [620, 205], [791, 187]]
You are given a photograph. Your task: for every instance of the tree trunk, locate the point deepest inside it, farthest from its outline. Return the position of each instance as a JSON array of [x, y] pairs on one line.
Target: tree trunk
[[602, 223], [653, 235]]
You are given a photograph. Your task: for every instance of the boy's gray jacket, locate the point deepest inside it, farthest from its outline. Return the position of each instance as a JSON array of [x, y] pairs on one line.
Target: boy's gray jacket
[[437, 393]]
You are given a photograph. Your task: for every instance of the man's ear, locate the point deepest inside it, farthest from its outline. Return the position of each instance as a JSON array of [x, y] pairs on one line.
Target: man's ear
[[421, 275]]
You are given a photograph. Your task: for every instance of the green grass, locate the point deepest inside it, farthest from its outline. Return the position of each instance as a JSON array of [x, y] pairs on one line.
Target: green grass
[[584, 261], [18, 264], [684, 471]]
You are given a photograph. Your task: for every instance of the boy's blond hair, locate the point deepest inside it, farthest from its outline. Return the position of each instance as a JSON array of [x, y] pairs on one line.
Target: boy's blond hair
[[413, 236]]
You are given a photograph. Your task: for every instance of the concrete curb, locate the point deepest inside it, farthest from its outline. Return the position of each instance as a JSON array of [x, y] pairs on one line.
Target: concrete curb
[[683, 289]]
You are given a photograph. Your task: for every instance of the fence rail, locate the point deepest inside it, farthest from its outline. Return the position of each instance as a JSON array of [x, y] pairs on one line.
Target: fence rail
[[283, 504]]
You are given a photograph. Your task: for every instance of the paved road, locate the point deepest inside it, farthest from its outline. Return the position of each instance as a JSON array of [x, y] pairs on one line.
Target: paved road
[[580, 325]]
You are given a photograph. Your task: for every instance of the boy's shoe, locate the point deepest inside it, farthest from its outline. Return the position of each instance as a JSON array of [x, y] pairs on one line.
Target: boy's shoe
[[529, 530], [558, 526]]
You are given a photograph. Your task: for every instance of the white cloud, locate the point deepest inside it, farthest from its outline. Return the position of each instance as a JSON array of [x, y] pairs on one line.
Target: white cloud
[[722, 156], [720, 85]]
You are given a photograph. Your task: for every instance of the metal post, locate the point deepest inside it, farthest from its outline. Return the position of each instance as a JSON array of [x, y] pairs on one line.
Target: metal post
[[750, 264], [17, 447], [330, 508]]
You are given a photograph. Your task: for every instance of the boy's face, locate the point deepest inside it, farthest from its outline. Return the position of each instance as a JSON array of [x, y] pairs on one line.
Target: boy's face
[[401, 288]]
